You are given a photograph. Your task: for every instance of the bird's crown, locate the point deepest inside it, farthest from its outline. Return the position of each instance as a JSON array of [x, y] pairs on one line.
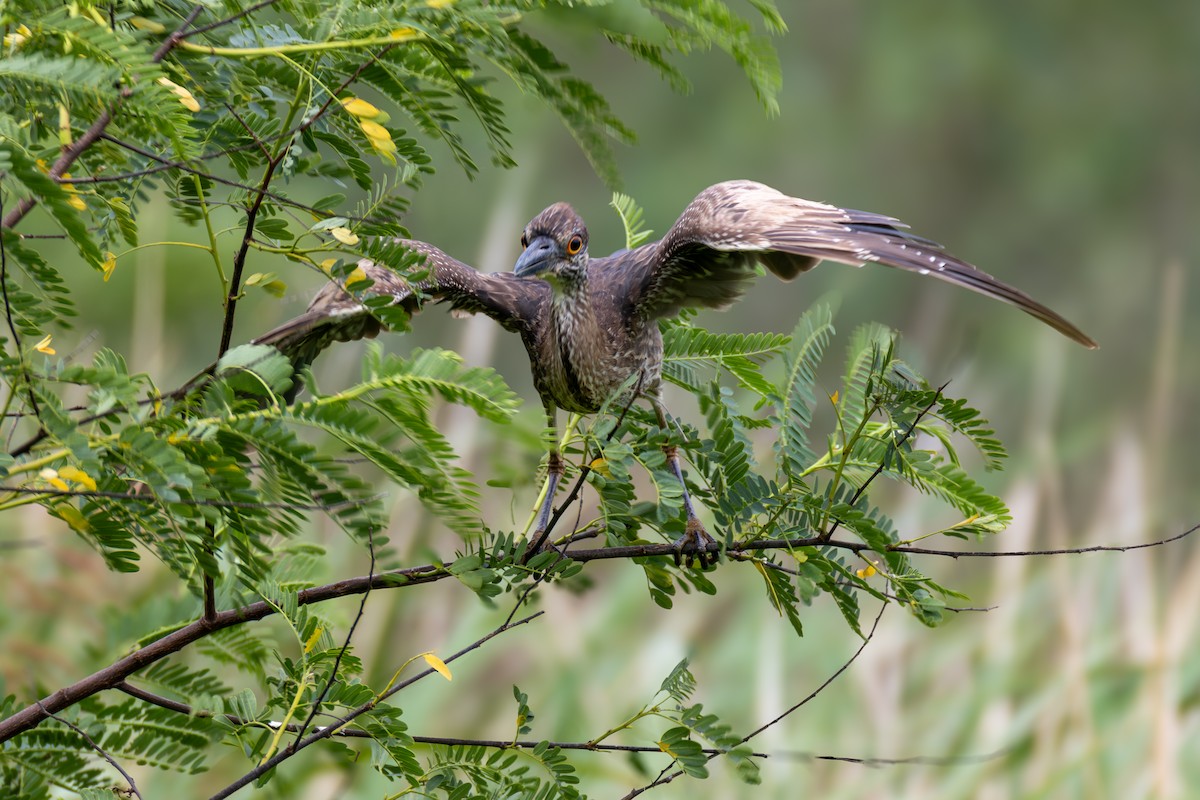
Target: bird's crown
[[559, 222]]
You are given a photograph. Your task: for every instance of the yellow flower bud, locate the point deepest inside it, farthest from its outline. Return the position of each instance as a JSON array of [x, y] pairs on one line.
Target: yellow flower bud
[[360, 108], [374, 130], [186, 99]]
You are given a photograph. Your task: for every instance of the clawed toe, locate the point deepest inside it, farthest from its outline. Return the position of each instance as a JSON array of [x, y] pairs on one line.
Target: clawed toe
[[696, 548]]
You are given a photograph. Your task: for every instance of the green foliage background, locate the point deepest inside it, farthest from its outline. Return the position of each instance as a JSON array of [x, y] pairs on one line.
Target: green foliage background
[[1052, 144]]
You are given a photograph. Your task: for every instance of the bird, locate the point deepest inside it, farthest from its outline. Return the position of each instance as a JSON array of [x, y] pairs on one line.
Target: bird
[[590, 325]]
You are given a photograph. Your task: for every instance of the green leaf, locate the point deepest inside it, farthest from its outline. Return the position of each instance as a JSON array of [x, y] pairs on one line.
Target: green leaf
[[256, 369], [794, 399]]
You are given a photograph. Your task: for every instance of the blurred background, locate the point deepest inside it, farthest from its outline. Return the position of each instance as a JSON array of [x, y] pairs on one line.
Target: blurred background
[[1055, 145]]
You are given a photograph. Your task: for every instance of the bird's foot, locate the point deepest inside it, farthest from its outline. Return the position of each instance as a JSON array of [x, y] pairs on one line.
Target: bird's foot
[[696, 547]]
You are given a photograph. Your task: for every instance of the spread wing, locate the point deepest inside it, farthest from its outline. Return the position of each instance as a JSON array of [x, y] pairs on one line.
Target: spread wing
[[337, 315], [708, 256]]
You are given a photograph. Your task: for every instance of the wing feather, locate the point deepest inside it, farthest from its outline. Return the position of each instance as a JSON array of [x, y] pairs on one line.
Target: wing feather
[[707, 258], [339, 315]]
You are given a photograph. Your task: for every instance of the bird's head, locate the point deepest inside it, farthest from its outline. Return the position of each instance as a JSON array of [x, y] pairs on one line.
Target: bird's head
[[555, 246]]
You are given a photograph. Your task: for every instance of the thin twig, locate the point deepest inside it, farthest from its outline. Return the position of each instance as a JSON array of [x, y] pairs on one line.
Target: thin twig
[[239, 258], [333, 676], [883, 462], [167, 164], [12, 329], [103, 753], [870, 635], [245, 12], [528, 744], [326, 732], [664, 778]]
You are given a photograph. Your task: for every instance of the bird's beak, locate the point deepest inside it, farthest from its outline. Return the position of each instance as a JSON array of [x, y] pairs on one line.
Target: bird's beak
[[537, 256]]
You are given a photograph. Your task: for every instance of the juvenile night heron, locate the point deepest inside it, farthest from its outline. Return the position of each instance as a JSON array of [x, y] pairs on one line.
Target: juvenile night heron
[[590, 324]]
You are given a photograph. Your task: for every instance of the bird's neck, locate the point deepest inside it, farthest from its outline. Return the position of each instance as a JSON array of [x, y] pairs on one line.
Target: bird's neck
[[570, 286]]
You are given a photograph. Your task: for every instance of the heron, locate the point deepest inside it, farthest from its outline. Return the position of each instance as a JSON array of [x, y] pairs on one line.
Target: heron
[[590, 325]]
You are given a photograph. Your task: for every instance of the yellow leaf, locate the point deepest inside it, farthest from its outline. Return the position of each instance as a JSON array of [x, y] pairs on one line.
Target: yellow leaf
[[110, 264], [833, 398], [312, 640], [601, 465], [143, 24], [64, 125], [866, 571], [96, 17], [72, 516], [60, 484], [48, 473], [77, 475], [344, 235], [44, 346], [360, 108], [76, 202], [403, 33], [357, 276], [439, 3], [327, 265], [438, 665]]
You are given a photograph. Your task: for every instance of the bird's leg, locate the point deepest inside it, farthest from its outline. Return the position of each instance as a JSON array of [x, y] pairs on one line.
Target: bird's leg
[[695, 540], [554, 471]]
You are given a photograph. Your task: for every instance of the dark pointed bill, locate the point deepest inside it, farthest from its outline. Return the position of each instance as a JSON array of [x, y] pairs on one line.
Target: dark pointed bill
[[536, 257]]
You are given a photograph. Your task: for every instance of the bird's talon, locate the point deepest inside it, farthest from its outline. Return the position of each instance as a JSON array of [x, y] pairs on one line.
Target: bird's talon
[[692, 549]]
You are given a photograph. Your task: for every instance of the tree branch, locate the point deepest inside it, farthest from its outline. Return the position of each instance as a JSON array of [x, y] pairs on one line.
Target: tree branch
[[114, 674]]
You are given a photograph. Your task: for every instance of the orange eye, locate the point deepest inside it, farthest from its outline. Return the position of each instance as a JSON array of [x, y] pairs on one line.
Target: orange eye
[[575, 245]]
